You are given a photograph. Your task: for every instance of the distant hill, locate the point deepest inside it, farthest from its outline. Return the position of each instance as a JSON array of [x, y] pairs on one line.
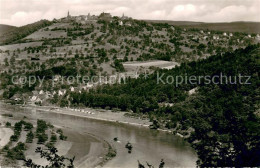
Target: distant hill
[[6, 28], [245, 27], [18, 33], [176, 23]]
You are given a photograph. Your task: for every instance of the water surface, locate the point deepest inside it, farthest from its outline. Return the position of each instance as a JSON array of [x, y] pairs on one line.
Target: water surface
[[148, 145]]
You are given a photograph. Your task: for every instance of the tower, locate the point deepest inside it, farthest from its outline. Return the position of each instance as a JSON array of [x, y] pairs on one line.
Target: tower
[[68, 16]]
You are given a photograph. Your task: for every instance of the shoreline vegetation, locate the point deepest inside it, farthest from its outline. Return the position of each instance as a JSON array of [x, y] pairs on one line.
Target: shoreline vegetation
[[100, 114]]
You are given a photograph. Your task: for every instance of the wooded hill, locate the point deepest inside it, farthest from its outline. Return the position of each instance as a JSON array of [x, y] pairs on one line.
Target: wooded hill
[[223, 117]]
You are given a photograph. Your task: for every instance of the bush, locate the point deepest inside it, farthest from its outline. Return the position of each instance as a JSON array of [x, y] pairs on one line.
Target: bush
[[63, 137], [28, 126], [49, 145], [53, 138], [18, 126], [17, 152], [8, 124], [14, 138], [29, 137], [59, 131], [41, 126], [42, 138]]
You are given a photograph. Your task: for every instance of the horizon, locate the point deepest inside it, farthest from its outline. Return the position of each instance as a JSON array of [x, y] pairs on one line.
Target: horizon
[[146, 20], [18, 13]]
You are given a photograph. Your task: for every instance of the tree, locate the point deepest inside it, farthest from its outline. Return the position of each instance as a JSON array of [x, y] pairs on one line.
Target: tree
[[29, 137], [51, 155], [6, 62], [53, 138]]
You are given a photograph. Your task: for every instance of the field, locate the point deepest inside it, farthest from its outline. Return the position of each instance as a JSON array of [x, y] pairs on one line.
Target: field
[[133, 66], [21, 46], [41, 34]]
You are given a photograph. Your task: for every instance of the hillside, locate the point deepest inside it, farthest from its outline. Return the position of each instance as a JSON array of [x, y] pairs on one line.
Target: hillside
[[220, 120], [244, 27], [107, 46], [145, 67], [14, 34], [102, 44], [6, 28]]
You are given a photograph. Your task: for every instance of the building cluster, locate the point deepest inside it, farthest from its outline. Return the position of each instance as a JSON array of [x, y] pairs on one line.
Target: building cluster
[[83, 19]]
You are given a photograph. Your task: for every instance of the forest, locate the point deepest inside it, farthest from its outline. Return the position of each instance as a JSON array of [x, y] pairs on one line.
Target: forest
[[224, 116]]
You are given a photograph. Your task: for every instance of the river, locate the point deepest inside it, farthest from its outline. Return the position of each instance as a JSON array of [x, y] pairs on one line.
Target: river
[[148, 145]]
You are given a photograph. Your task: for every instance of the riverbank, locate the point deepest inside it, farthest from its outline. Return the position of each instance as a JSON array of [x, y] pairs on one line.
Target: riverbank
[[96, 114], [176, 152], [90, 150]]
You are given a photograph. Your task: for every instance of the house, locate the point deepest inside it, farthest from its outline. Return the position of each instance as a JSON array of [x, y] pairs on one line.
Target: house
[[128, 24], [91, 17], [120, 23], [35, 92], [201, 31], [72, 89], [205, 37], [38, 100], [192, 91], [249, 36], [89, 85], [215, 37], [61, 92], [208, 32], [41, 92], [224, 34], [81, 18], [16, 97], [230, 34], [48, 93], [166, 104], [56, 78], [33, 98]]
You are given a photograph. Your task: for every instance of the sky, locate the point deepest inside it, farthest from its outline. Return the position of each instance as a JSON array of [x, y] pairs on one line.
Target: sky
[[22, 12]]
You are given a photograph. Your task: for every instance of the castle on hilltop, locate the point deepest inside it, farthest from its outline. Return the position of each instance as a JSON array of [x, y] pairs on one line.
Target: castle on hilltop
[[90, 18]]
